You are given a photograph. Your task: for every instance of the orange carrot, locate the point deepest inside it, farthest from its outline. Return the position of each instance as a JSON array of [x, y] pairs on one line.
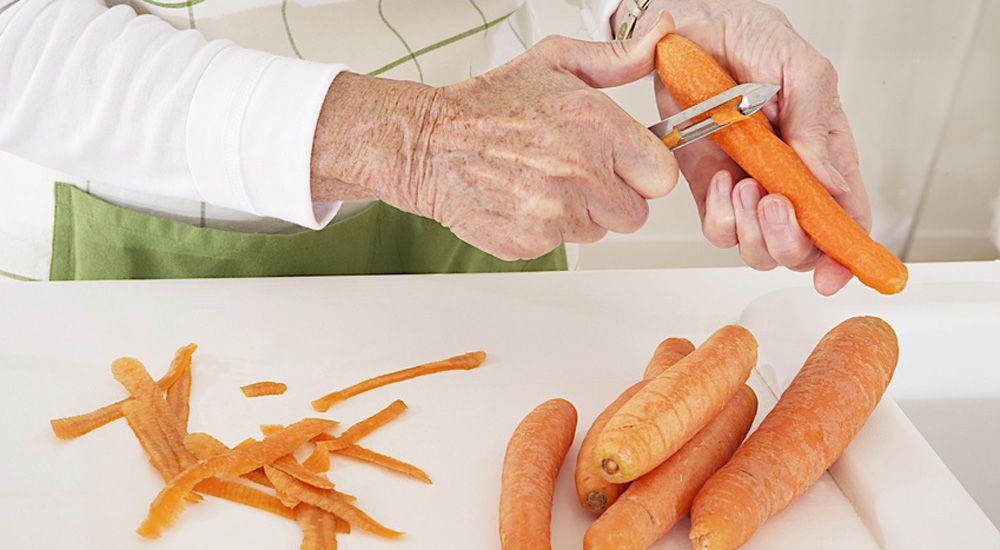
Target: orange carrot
[[672, 407], [692, 76], [655, 501], [666, 355], [74, 426], [811, 425], [594, 492], [259, 389], [460, 362], [530, 466]]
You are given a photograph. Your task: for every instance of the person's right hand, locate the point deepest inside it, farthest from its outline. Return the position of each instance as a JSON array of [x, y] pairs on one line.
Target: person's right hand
[[514, 162]]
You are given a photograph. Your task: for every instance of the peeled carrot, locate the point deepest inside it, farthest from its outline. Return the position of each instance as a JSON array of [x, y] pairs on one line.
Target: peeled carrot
[[530, 466], [594, 492], [465, 361], [671, 408], [692, 76], [655, 501], [811, 425]]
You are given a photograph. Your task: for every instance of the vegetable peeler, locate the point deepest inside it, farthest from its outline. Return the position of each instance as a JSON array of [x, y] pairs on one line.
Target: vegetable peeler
[[752, 98]]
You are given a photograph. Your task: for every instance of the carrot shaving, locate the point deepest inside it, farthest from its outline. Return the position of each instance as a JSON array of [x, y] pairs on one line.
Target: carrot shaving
[[132, 375], [466, 361], [354, 434], [242, 494], [168, 505], [319, 528], [259, 389], [328, 501], [319, 460], [142, 422], [268, 429], [72, 427], [292, 467], [179, 394], [358, 452]]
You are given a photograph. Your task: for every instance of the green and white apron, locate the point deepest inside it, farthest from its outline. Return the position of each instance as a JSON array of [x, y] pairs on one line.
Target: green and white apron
[[87, 230]]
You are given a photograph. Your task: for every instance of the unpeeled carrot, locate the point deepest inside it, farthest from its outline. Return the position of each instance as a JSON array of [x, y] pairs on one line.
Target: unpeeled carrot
[[811, 425], [671, 408], [465, 361], [594, 492], [655, 501], [531, 464], [692, 76]]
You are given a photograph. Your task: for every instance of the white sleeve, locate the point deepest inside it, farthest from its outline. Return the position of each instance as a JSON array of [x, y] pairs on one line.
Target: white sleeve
[[129, 100], [603, 10]]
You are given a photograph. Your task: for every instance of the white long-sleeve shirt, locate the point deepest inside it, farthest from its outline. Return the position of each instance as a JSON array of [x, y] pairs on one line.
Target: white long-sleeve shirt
[[129, 100]]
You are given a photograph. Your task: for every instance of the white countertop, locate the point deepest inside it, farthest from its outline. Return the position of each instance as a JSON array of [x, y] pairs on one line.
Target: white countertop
[[579, 335]]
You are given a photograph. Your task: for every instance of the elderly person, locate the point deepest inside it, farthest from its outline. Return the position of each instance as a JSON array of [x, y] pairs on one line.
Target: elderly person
[[200, 154]]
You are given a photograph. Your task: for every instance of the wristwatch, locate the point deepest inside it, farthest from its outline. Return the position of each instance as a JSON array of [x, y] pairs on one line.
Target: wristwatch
[[635, 10]]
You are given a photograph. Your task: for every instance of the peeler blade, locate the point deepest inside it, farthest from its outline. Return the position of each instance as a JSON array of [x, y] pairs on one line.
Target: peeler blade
[[752, 98]]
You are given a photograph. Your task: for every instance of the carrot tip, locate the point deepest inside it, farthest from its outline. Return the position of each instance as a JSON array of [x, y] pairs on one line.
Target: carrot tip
[[609, 466], [597, 501]]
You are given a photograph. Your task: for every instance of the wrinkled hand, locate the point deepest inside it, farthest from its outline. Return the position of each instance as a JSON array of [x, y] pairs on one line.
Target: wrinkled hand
[[515, 161], [756, 43]]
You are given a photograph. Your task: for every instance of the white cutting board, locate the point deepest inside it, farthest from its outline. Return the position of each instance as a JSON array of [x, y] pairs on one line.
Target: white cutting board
[[581, 336]]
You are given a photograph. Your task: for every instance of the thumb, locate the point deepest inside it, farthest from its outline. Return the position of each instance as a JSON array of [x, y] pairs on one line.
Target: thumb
[[804, 119], [606, 64]]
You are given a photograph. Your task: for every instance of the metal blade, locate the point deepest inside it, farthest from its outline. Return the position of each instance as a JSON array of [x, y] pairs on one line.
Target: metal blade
[[752, 98]]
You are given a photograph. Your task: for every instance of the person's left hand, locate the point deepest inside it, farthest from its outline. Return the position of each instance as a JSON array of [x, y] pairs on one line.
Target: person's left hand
[[756, 43]]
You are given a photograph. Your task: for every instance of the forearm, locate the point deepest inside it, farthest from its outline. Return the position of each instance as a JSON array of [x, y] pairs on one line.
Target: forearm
[[129, 100], [368, 137]]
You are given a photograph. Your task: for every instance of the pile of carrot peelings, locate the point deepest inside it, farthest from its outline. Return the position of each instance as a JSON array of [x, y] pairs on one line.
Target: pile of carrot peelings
[[262, 474]]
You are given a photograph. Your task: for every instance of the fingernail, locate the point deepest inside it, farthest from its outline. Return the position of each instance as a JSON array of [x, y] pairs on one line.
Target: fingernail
[[749, 196], [724, 184], [836, 178], [775, 212]]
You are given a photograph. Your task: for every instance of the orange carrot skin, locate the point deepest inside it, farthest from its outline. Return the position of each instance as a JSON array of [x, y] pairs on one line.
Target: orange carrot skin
[[666, 355], [594, 492], [531, 464], [655, 501], [692, 76], [809, 428], [672, 407]]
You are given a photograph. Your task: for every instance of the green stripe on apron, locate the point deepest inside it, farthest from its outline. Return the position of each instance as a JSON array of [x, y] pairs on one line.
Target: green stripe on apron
[[93, 239]]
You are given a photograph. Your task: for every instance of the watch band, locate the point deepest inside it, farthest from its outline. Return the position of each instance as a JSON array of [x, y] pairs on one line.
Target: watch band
[[635, 10]]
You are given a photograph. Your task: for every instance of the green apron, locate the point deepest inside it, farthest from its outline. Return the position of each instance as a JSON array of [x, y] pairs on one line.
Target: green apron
[[93, 239]]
